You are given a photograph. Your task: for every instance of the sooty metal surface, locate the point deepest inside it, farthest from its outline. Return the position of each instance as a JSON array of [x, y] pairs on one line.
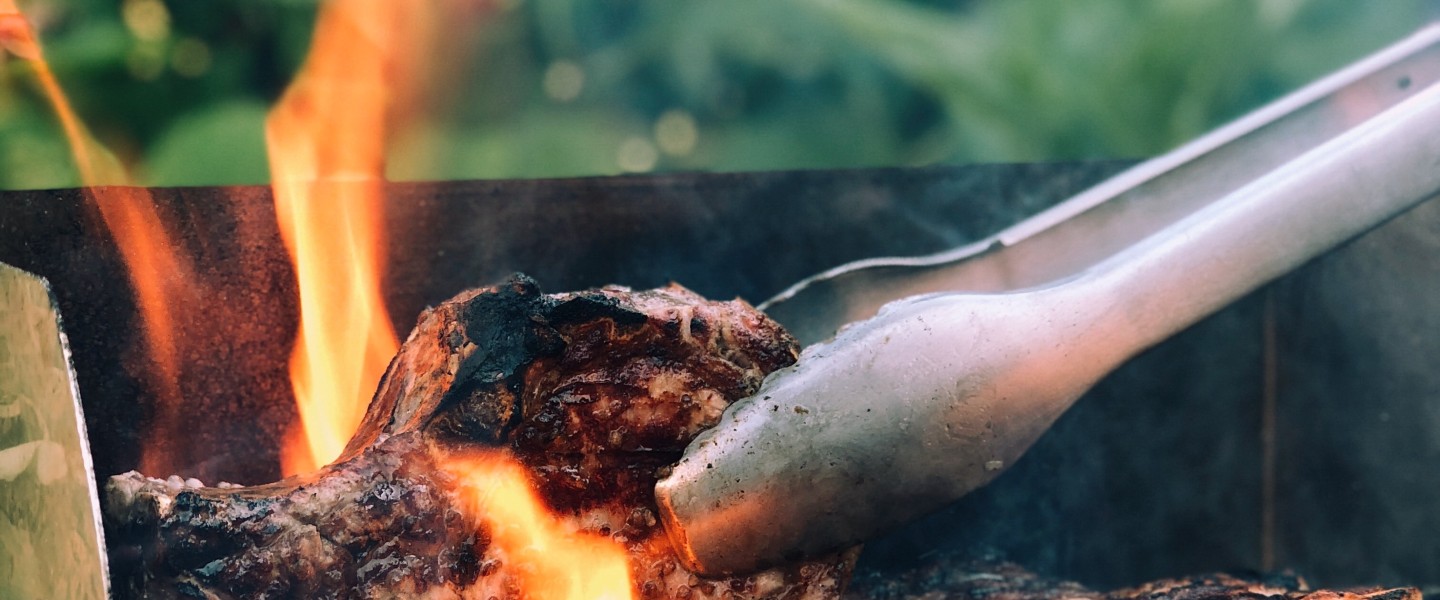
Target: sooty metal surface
[[1311, 446]]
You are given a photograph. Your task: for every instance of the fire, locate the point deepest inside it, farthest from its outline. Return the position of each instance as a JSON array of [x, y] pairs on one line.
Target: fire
[[551, 560], [326, 140], [158, 274], [369, 75]]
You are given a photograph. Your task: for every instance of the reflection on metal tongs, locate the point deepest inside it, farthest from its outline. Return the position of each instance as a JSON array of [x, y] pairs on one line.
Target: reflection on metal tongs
[[936, 394]]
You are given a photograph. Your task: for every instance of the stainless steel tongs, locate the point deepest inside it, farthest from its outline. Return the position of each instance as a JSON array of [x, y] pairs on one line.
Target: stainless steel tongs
[[938, 392]]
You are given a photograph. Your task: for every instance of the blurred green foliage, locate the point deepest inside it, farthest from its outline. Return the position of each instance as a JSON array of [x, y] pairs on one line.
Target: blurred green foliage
[[564, 87]]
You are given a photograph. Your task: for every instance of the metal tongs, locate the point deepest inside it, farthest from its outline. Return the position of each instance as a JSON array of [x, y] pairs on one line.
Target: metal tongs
[[940, 392]]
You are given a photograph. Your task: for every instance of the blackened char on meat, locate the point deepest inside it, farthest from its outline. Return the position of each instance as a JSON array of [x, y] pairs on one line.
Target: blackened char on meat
[[593, 392]]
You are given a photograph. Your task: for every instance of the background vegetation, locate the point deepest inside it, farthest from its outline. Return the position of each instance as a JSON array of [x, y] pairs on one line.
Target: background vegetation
[[565, 87]]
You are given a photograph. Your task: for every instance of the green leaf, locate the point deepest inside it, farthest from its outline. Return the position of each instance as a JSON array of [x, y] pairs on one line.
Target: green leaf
[[223, 144]]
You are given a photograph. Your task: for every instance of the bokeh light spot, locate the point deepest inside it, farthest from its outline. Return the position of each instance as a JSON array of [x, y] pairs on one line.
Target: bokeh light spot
[[676, 132], [147, 19], [637, 155], [563, 81], [190, 57]]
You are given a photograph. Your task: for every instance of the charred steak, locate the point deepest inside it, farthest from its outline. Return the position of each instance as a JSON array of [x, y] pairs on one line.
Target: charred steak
[[593, 392]]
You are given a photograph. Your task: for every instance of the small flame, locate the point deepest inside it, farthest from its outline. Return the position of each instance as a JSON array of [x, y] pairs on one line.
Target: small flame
[[551, 560], [326, 140], [158, 274]]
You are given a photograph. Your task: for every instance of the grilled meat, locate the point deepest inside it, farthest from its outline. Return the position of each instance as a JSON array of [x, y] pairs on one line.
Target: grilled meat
[[593, 392]]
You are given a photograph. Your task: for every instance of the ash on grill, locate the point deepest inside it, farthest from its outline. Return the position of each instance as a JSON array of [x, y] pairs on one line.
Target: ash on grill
[[986, 576]]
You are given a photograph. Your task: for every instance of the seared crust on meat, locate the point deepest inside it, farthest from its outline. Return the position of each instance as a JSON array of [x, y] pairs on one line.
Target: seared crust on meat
[[592, 391]]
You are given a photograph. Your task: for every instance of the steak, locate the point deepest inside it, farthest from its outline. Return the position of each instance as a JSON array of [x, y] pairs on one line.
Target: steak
[[593, 392]]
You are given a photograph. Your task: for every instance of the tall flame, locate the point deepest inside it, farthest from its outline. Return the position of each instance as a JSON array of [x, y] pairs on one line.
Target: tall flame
[[326, 140], [158, 273], [327, 156], [550, 559]]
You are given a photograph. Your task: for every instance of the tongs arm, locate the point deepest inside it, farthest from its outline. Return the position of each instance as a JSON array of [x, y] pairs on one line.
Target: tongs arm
[[1116, 214], [938, 394]]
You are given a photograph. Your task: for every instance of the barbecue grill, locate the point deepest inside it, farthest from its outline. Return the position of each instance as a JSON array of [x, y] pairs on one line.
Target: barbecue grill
[[1294, 429]]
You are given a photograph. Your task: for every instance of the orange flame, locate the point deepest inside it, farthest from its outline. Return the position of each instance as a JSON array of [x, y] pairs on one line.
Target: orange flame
[[551, 560], [157, 271], [327, 152], [327, 158]]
